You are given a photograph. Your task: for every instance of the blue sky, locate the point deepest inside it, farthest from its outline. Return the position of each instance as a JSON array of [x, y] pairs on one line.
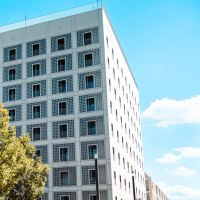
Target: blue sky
[[161, 40]]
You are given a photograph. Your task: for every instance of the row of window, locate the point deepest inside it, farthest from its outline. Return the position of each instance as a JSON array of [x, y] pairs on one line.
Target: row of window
[[67, 153], [62, 109], [59, 85], [59, 64], [58, 43], [64, 129]]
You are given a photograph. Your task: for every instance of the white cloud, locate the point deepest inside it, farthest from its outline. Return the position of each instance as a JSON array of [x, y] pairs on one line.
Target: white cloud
[[168, 158], [171, 112], [184, 171], [179, 153], [188, 151], [180, 192]]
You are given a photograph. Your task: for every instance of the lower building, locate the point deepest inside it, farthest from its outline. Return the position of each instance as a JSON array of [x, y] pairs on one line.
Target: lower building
[[153, 191]]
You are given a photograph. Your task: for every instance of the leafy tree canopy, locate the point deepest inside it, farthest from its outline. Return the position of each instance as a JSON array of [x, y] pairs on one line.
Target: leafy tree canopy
[[22, 174]]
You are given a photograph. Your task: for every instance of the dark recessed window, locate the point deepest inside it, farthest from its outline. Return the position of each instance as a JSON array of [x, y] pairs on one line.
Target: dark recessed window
[[88, 60], [89, 80], [61, 64], [12, 54], [62, 86], [36, 69], [11, 114], [36, 90], [38, 152], [12, 74], [64, 198], [91, 125], [62, 108], [64, 154], [36, 111], [61, 44], [90, 104], [87, 38], [92, 176], [36, 133], [63, 130], [36, 49], [64, 178], [93, 197], [11, 95], [92, 150]]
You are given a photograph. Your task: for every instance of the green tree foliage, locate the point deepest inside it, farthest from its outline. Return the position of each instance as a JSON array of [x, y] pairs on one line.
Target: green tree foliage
[[22, 174]]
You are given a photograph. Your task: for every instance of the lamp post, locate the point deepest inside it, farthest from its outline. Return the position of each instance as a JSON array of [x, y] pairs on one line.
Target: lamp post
[[96, 176], [133, 183]]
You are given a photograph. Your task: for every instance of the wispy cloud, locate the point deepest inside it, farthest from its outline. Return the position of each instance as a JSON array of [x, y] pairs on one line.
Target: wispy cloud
[[180, 192], [179, 153], [168, 112], [184, 171]]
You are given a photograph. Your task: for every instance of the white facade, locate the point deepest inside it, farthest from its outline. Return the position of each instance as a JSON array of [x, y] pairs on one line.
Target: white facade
[[96, 105]]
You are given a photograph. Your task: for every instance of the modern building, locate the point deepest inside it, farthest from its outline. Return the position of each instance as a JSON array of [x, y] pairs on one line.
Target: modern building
[[65, 80], [153, 191]]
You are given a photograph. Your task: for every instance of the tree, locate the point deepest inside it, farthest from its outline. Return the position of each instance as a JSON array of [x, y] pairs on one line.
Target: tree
[[22, 174]]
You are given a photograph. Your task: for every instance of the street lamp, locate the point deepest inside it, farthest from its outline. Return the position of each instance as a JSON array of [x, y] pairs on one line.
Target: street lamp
[[96, 176], [133, 183]]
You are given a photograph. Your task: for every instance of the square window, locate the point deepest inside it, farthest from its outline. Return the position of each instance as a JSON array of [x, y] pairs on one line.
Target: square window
[[62, 108], [90, 104], [61, 44], [93, 197], [61, 64], [92, 176], [63, 154], [64, 197], [62, 86], [89, 81], [36, 90], [87, 38], [36, 49], [12, 54], [36, 69], [36, 111], [63, 130], [11, 114], [36, 133], [11, 94], [64, 178], [91, 127], [92, 150], [38, 152], [12, 75], [88, 60]]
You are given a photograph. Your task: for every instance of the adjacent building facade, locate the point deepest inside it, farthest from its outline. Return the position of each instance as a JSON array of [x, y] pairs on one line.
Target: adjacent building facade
[[66, 82], [153, 191]]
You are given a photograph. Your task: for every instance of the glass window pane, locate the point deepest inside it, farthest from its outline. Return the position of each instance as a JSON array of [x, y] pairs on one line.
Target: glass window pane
[[36, 90], [12, 73], [12, 115], [91, 127], [64, 178], [61, 65], [62, 86], [36, 111], [36, 70], [36, 49], [11, 94], [92, 151], [64, 154], [36, 133], [87, 38], [63, 130], [92, 177], [62, 108], [90, 105], [89, 82], [12, 54], [61, 44], [88, 60]]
